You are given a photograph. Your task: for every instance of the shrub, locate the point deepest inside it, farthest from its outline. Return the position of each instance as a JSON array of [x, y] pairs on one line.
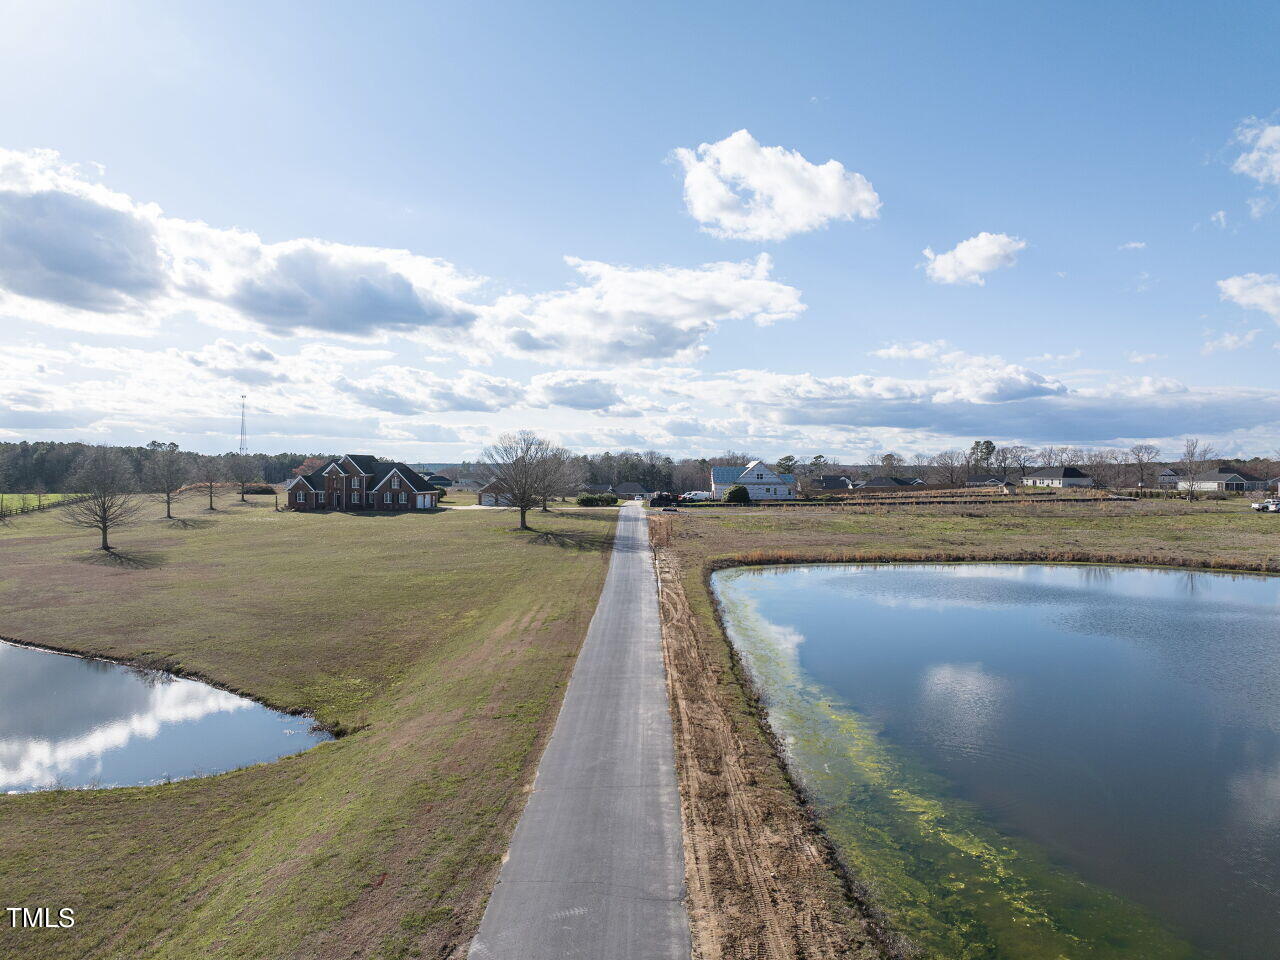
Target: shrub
[[596, 500], [737, 494], [259, 488]]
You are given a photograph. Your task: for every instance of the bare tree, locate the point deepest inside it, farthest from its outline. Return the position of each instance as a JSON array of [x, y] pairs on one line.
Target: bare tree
[[1142, 455], [1195, 453], [209, 472], [165, 473], [107, 487], [1049, 457], [40, 491], [244, 470], [520, 464], [949, 465]]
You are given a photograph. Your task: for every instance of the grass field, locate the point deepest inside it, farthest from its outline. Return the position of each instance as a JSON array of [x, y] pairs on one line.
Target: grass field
[[758, 873], [21, 501], [441, 642]]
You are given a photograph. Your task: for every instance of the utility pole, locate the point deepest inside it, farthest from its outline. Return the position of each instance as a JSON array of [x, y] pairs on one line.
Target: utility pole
[[244, 435]]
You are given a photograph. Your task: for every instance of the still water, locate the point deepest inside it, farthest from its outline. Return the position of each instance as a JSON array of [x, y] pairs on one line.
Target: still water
[[70, 722], [1012, 746]]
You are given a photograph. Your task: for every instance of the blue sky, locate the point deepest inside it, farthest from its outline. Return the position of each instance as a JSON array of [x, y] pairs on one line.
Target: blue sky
[[404, 229]]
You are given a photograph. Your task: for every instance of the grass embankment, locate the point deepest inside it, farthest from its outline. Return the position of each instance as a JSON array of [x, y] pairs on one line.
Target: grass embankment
[[749, 839], [443, 641]]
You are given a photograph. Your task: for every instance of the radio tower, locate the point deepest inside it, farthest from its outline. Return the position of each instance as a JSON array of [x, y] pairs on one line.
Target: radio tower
[[244, 434]]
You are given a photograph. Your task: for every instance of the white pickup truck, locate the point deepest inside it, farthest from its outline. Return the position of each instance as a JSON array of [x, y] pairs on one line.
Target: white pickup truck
[[1270, 505]]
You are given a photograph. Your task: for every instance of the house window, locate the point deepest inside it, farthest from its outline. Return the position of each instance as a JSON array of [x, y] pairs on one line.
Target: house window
[[404, 497], [320, 496], [355, 482], [302, 497], [395, 483], [386, 497], [355, 496], [759, 476]]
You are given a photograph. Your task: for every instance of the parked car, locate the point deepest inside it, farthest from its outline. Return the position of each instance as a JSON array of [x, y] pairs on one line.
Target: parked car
[[1270, 505], [696, 495], [638, 496]]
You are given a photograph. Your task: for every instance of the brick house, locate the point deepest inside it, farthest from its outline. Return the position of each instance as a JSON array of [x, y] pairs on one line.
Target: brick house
[[356, 481]]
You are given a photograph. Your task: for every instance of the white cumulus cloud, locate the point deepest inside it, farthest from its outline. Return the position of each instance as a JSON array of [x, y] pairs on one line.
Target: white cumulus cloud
[[972, 258], [738, 189], [1253, 291], [630, 315], [1261, 159]]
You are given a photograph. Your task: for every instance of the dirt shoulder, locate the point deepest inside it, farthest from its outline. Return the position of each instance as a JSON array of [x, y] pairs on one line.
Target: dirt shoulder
[[764, 881]]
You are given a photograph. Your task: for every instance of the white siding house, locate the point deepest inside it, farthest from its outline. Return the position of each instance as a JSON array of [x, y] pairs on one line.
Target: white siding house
[[1222, 480], [761, 482], [1059, 477]]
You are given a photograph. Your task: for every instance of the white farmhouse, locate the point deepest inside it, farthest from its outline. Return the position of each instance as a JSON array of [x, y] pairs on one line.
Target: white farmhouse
[[761, 482], [1059, 477]]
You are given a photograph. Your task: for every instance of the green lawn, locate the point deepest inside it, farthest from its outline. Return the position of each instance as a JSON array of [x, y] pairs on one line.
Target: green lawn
[[442, 641], [19, 501]]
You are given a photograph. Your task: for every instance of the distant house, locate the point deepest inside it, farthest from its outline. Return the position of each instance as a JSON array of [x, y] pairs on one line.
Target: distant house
[[761, 482], [493, 494], [830, 483], [889, 483], [1168, 478], [986, 480], [357, 481], [630, 490], [1059, 477], [1222, 480], [596, 488], [439, 480]]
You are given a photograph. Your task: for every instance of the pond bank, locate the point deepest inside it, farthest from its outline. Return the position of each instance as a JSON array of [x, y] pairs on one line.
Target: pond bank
[[729, 766]]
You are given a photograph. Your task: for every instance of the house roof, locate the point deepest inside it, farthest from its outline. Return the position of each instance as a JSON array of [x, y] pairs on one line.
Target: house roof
[[417, 482], [735, 474], [1221, 474], [887, 482], [631, 488], [1061, 473], [372, 466], [597, 487], [366, 462], [985, 478], [726, 474], [833, 483]]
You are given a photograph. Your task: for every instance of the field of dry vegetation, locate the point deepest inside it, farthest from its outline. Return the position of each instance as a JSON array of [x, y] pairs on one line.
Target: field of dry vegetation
[[763, 880]]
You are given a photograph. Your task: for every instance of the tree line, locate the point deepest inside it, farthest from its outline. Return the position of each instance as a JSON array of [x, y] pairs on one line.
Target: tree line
[[31, 467]]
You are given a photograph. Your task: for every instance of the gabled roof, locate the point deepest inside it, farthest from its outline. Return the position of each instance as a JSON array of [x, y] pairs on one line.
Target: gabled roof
[[887, 482], [1061, 473], [833, 483], [302, 479], [726, 474], [1222, 474], [985, 478], [367, 464], [631, 488], [381, 470]]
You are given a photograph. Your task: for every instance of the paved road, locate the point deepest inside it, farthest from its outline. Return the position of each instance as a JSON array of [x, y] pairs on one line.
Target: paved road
[[596, 867]]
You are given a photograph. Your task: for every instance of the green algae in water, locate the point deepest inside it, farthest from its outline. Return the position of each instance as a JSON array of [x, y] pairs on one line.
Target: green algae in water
[[950, 882]]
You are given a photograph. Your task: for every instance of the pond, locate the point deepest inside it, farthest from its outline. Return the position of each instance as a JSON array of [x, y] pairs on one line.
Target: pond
[[73, 722], [1034, 761]]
